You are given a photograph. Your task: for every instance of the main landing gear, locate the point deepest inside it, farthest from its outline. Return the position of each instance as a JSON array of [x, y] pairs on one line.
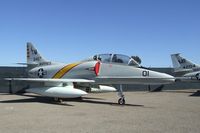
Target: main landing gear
[[198, 76], [59, 100], [121, 100]]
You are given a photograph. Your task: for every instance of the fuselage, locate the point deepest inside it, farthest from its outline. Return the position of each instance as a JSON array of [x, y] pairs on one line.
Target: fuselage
[[102, 73]]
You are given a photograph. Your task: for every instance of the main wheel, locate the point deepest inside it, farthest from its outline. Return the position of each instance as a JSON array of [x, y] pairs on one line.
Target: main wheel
[[121, 101], [59, 100], [198, 76]]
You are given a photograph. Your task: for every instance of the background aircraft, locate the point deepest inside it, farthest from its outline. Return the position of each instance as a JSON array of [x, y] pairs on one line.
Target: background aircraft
[[185, 68], [60, 80]]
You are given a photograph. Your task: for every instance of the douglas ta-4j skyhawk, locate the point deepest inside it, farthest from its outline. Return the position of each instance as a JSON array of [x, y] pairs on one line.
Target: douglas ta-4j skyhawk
[[185, 69], [59, 80]]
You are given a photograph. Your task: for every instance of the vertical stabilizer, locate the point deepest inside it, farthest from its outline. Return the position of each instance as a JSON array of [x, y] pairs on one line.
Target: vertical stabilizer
[[33, 56], [182, 63]]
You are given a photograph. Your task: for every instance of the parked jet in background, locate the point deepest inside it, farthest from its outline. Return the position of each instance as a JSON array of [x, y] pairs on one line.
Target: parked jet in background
[[185, 68], [61, 80]]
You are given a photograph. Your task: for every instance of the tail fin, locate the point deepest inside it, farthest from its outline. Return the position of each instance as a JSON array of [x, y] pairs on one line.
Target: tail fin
[[180, 63], [33, 56]]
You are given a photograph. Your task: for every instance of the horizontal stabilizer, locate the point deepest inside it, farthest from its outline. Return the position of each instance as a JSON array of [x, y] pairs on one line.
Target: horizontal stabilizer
[[27, 63], [182, 70]]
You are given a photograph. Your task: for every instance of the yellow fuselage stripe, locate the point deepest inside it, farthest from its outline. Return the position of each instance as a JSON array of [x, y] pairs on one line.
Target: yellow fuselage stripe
[[64, 70]]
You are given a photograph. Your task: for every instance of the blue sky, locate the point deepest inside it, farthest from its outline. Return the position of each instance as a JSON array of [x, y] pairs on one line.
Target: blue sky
[[72, 30]]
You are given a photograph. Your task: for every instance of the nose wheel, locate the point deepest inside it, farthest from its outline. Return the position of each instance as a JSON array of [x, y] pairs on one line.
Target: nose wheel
[[121, 100]]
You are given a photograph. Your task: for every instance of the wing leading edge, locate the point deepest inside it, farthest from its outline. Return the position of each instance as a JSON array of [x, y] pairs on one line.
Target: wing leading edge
[[51, 80]]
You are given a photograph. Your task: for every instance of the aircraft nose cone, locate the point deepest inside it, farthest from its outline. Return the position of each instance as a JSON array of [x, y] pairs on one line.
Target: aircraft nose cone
[[167, 78]]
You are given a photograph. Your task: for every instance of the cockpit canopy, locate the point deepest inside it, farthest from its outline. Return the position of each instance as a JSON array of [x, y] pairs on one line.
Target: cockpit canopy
[[116, 58]]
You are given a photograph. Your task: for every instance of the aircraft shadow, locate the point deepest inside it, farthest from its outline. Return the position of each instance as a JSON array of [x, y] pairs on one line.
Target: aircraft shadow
[[48, 100], [110, 103], [38, 99], [196, 94]]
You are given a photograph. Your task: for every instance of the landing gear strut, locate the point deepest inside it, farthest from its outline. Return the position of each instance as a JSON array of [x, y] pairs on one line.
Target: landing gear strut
[[59, 100], [121, 100], [198, 76]]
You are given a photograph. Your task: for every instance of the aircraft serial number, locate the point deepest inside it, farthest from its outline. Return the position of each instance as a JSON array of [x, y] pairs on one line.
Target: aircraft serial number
[[145, 73]]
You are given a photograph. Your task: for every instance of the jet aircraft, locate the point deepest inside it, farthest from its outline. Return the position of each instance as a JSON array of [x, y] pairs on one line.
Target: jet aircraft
[[185, 68], [60, 80]]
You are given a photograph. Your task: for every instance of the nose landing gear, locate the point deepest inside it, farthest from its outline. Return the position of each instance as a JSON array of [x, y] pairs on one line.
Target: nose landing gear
[[121, 100]]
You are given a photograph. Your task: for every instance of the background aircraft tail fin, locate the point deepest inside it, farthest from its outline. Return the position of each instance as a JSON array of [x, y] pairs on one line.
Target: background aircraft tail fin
[[181, 63], [33, 56]]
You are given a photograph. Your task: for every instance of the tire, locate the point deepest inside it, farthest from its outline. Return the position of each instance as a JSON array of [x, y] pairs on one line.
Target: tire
[[198, 76], [121, 101]]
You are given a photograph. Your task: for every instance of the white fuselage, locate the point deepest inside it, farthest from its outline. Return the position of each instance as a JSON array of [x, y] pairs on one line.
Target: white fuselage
[[106, 73]]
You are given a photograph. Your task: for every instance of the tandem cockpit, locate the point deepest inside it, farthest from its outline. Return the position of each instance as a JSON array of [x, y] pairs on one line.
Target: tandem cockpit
[[115, 58]]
